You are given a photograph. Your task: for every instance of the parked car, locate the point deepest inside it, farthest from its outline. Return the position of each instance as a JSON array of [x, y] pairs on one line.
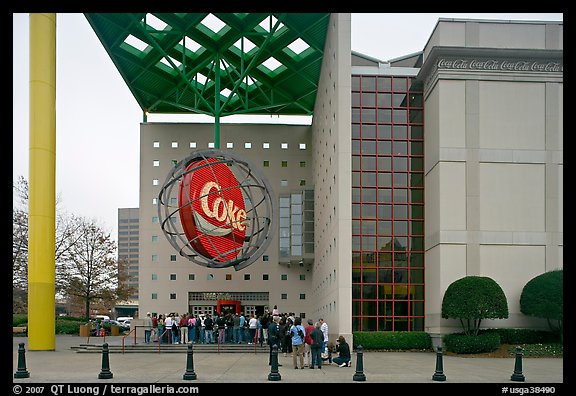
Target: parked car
[[125, 324]]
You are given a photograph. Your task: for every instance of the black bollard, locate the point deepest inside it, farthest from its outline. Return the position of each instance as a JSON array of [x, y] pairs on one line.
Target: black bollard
[[189, 374], [359, 374], [22, 372], [274, 374], [439, 374], [518, 376], [105, 373]]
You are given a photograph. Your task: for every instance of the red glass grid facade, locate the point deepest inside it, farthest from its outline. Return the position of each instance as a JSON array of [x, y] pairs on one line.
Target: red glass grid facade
[[387, 204]]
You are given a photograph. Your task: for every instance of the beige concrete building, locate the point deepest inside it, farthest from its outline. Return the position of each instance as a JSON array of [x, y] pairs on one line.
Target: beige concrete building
[[420, 171]]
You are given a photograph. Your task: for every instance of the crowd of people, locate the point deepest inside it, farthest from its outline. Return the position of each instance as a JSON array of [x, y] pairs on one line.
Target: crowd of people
[[308, 345]]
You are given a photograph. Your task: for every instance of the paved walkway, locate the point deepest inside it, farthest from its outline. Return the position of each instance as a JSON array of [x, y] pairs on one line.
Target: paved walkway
[[64, 365]]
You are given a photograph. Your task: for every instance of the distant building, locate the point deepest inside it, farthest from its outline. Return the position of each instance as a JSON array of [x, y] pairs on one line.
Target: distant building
[[128, 246]]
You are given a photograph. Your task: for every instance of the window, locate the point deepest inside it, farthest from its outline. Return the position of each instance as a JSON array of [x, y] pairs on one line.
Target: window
[[174, 144], [229, 145], [302, 164], [284, 296], [192, 144], [156, 163], [228, 276], [154, 201], [211, 145], [284, 146], [265, 145], [265, 277], [302, 182], [265, 257], [172, 296], [302, 276], [156, 144], [154, 276], [172, 277], [302, 296], [210, 277], [154, 258], [172, 257], [154, 296], [155, 182], [266, 164], [302, 146], [247, 145], [284, 277], [246, 276], [283, 183], [284, 164], [191, 277], [154, 238]]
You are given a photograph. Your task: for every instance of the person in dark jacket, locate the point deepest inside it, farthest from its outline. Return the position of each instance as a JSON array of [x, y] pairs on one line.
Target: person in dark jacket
[[343, 349], [274, 338], [316, 346]]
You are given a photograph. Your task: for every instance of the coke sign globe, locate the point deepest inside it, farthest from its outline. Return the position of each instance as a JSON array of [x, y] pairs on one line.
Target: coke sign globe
[[217, 210]]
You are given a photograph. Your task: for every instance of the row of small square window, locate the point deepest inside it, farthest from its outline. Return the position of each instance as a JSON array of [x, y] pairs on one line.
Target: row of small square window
[[210, 277], [283, 183], [265, 257], [230, 145], [283, 296], [265, 163]]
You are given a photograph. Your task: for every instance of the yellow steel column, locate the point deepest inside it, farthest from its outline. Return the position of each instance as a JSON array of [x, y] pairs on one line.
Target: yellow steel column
[[42, 184]]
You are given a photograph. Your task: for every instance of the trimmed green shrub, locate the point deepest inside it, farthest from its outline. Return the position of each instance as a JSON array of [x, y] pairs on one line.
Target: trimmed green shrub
[[66, 326], [543, 297], [472, 299], [19, 320], [392, 340], [524, 336], [463, 343]]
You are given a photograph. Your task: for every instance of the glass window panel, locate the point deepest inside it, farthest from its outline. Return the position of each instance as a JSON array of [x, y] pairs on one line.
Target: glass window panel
[[296, 219], [400, 131], [368, 259], [417, 179], [417, 243], [356, 83], [384, 83], [296, 229], [384, 179], [417, 227], [384, 275], [416, 195], [416, 148], [384, 100], [368, 115], [356, 131], [400, 148], [417, 211], [399, 100], [416, 164], [416, 116], [416, 276], [416, 260], [384, 211], [368, 83], [400, 309], [399, 84], [401, 227], [384, 243], [401, 260], [384, 228], [284, 251], [356, 259], [285, 222], [385, 291], [368, 163], [356, 243], [284, 242], [399, 116], [400, 243], [297, 250], [355, 114], [356, 179], [356, 275], [384, 115], [368, 227], [400, 179], [369, 291], [296, 240], [355, 290], [284, 212], [356, 194], [356, 162], [369, 308], [384, 259], [355, 99], [416, 132], [369, 324], [400, 211], [385, 164], [400, 163], [284, 233], [417, 308], [400, 195], [384, 147], [369, 179], [296, 199], [384, 194], [368, 131], [415, 100], [356, 226], [369, 195], [368, 99], [368, 210], [384, 131], [368, 147], [356, 210], [368, 243]]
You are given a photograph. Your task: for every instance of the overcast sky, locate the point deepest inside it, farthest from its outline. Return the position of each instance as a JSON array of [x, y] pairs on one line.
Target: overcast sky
[[98, 119]]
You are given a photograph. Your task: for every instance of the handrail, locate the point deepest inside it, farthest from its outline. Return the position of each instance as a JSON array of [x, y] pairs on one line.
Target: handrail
[[126, 335], [160, 338]]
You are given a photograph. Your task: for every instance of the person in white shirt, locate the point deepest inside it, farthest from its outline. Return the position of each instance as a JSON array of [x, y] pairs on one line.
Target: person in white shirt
[[168, 327], [324, 330]]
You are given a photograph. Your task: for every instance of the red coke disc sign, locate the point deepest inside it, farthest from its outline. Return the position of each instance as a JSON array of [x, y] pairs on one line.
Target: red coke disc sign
[[212, 209]]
